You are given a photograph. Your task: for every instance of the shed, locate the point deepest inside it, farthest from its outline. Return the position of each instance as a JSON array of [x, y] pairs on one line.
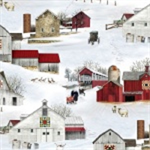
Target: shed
[[8, 97], [130, 142], [110, 92], [25, 58], [74, 128], [80, 20], [10, 124], [49, 62], [109, 140]]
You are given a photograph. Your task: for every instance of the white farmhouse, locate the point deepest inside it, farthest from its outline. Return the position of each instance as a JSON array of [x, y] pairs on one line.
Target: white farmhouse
[[137, 28], [109, 140], [7, 96], [43, 125]]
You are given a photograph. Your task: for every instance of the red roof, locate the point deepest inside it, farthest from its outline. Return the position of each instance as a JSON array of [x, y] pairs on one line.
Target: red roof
[[25, 54], [48, 58], [14, 122], [74, 129], [128, 15]]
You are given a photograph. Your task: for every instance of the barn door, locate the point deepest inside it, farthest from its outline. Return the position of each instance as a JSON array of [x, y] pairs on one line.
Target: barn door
[[111, 98]]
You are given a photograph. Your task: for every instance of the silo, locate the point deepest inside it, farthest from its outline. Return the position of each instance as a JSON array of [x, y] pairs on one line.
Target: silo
[[26, 23], [114, 74], [140, 129]]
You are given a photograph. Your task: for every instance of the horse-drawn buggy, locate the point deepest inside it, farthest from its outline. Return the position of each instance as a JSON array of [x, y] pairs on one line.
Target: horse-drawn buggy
[[93, 37]]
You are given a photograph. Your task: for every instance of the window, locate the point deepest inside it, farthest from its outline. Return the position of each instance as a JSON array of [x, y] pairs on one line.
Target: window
[[132, 24], [42, 29], [47, 133], [4, 101], [14, 101], [58, 133], [43, 133], [0, 44], [44, 112], [31, 130], [109, 133], [53, 30], [19, 130], [145, 24]]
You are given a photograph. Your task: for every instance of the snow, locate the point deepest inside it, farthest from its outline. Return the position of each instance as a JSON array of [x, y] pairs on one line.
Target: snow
[[74, 50]]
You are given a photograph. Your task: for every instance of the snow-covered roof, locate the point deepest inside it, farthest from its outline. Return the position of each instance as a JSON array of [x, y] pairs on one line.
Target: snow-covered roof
[[74, 120]]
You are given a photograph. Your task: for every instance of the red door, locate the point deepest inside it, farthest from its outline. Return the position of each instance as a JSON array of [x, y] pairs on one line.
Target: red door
[[111, 98]]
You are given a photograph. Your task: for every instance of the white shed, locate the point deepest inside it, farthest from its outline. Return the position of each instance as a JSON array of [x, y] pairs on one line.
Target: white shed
[[138, 25], [109, 140], [7, 96], [74, 127], [43, 125], [49, 62]]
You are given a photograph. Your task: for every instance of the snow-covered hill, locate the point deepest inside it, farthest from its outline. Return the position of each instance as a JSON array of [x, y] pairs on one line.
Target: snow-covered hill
[[74, 50]]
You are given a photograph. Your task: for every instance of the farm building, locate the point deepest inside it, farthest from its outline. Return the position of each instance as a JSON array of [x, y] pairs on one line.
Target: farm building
[[49, 62], [80, 20], [74, 128], [137, 27], [8, 97], [109, 140], [126, 16], [25, 58], [136, 85], [87, 76], [8, 41], [47, 24], [43, 125]]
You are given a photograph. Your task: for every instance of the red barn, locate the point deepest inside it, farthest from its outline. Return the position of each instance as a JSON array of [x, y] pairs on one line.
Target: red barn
[[136, 85], [110, 92], [89, 76], [80, 20]]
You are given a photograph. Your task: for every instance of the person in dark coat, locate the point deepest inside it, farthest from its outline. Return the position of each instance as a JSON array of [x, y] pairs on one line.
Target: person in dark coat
[[75, 95]]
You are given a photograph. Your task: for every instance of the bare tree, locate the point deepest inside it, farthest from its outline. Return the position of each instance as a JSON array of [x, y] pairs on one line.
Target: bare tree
[[115, 3], [62, 110], [139, 65], [61, 16], [16, 84], [107, 2], [67, 73]]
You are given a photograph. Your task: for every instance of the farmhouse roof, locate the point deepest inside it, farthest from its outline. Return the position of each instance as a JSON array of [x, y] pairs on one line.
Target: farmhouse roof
[[106, 132], [25, 54], [16, 36], [79, 13], [14, 122], [49, 58]]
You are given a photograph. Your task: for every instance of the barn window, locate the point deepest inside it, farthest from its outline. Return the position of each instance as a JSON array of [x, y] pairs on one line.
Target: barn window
[[43, 133], [109, 133], [31, 130], [19, 130], [132, 24], [4, 101], [44, 111], [42, 29], [0, 44], [14, 101], [145, 24], [47, 133], [58, 133]]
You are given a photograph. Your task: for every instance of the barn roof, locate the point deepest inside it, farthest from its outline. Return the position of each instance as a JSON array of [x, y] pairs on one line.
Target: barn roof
[[16, 36], [79, 13], [115, 82], [25, 54], [73, 120], [3, 75], [49, 58], [14, 122], [127, 15], [133, 75], [5, 29], [106, 132]]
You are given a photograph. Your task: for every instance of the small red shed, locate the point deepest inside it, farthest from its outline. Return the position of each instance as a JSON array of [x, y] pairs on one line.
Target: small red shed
[[126, 16], [137, 85], [110, 92], [80, 20]]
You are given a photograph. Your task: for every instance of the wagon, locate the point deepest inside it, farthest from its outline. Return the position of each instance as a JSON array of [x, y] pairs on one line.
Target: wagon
[[93, 37], [70, 99]]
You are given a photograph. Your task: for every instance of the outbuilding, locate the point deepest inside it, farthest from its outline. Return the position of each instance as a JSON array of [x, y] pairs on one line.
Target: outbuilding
[[49, 62]]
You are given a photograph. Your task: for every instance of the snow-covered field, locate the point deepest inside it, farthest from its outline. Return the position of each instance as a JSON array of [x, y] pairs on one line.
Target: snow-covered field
[[74, 50]]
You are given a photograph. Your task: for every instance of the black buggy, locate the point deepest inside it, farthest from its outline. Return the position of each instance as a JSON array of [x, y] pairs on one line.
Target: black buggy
[[93, 37]]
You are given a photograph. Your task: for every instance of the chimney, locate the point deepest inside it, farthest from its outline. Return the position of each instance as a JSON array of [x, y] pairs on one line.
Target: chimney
[[140, 129], [147, 68], [26, 23], [137, 10]]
